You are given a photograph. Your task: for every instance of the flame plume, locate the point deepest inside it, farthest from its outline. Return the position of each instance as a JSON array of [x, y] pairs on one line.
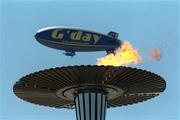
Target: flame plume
[[123, 56], [156, 54]]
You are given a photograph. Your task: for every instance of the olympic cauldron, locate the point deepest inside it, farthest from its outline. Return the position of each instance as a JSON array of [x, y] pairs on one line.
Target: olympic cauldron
[[89, 89]]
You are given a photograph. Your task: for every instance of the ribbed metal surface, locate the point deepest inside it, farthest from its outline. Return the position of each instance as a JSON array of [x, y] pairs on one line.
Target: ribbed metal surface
[[41, 87], [91, 106]]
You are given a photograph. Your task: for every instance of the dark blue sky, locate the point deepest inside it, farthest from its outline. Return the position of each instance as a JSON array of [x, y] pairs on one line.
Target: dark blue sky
[[145, 24]]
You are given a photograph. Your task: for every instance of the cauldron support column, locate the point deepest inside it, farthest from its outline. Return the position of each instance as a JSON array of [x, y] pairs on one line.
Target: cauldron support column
[[91, 105]]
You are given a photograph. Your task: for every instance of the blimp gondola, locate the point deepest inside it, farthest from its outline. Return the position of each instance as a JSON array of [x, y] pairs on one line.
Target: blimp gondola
[[71, 40]]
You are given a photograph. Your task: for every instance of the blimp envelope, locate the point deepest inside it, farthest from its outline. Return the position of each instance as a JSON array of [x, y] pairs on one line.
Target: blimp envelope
[[74, 40]]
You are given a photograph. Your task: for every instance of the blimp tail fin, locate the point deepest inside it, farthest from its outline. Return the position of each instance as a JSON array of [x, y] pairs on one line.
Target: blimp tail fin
[[113, 34]]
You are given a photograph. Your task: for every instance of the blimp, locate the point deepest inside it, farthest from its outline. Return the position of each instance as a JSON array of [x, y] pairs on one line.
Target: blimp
[[73, 39]]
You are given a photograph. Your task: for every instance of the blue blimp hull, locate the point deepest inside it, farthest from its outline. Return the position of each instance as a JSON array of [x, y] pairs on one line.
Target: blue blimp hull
[[74, 40]]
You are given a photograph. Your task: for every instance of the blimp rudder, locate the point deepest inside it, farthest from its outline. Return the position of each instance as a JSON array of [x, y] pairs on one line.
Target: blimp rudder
[[113, 34]]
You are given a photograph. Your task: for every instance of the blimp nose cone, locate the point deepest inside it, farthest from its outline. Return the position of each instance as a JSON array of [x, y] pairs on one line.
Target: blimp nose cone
[[36, 36], [39, 36], [43, 35]]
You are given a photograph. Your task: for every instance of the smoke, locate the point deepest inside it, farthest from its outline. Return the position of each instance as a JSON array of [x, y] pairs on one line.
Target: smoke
[[156, 54]]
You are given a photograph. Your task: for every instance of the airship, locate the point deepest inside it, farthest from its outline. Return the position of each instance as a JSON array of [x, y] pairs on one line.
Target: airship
[[72, 40]]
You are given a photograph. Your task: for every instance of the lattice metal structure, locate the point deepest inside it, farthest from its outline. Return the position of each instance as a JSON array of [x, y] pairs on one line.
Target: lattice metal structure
[[89, 89]]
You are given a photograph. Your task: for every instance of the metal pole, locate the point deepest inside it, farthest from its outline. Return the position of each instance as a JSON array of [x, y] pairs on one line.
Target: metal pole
[[91, 105]]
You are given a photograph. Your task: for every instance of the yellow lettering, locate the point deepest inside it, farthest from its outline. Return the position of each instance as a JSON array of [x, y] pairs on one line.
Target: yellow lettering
[[76, 35], [56, 34], [86, 37], [96, 38]]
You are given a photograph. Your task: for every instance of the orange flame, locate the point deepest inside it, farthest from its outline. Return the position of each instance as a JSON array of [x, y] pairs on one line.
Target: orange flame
[[123, 56]]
